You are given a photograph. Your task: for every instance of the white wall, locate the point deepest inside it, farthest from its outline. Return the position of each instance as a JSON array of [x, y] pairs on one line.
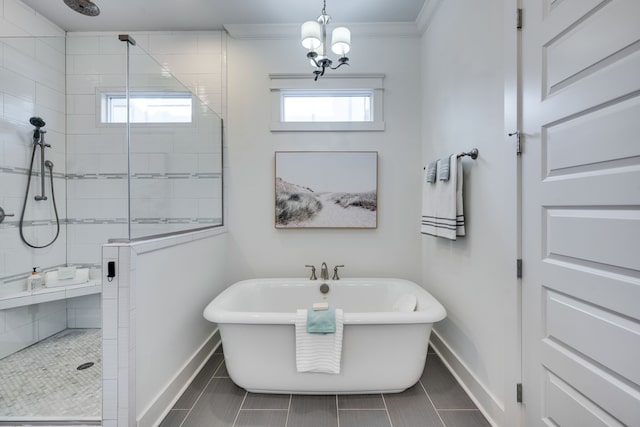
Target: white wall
[[257, 248], [172, 288], [473, 277]]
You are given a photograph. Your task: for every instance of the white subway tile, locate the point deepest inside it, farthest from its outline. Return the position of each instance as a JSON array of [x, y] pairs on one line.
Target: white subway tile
[[51, 57], [81, 104], [17, 110], [99, 64], [52, 324], [109, 399], [109, 315], [82, 45], [24, 45], [112, 163], [88, 318], [111, 45], [82, 84], [20, 316], [110, 359], [210, 163], [17, 85], [9, 29], [84, 124], [16, 339]]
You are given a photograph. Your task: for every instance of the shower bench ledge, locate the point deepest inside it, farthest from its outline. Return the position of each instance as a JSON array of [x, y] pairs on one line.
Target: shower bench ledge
[[50, 294]]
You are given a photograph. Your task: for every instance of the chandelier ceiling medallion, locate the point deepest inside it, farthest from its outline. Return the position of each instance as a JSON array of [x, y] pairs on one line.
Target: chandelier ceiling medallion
[[314, 38]]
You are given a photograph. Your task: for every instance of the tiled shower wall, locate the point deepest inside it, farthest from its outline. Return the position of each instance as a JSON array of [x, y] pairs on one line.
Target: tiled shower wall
[[32, 83]]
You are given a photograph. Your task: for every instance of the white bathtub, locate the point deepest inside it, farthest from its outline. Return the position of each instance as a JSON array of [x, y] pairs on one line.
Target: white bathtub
[[383, 350]]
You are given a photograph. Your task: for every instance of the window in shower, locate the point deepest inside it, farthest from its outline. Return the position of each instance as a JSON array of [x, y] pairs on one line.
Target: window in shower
[[148, 107]]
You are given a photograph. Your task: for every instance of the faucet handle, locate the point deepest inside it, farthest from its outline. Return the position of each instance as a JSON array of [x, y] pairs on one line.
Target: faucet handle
[[335, 272], [313, 272]]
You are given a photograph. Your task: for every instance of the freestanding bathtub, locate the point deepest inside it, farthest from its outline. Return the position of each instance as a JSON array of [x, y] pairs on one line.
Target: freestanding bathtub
[[383, 350]]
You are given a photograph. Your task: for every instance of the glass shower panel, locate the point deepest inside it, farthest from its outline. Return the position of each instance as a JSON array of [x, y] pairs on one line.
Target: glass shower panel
[[176, 153]]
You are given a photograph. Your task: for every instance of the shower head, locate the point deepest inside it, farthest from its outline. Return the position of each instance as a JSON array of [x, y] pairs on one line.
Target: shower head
[[37, 122], [85, 7]]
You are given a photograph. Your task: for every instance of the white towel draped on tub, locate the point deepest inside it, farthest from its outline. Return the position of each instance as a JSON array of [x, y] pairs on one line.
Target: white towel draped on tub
[[442, 208], [318, 352]]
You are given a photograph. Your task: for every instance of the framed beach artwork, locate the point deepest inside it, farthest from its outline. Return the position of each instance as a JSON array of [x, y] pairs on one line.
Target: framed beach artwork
[[326, 189]]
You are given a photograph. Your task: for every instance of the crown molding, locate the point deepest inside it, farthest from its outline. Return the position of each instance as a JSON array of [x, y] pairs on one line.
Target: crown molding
[[292, 31], [426, 14]]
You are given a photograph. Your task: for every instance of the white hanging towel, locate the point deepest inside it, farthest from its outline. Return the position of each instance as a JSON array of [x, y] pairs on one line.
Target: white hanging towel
[[318, 352], [442, 208]]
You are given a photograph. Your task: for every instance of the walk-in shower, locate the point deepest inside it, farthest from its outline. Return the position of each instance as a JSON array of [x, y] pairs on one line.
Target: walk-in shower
[[38, 142], [122, 172]]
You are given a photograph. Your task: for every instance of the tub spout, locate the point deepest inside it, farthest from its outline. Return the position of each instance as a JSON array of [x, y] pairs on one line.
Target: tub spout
[[324, 271]]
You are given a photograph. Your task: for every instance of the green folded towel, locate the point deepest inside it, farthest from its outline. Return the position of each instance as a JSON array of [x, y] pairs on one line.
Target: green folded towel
[[321, 321]]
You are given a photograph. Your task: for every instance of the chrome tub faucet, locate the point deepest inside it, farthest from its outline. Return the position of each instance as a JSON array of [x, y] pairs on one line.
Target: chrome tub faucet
[[335, 272], [313, 272]]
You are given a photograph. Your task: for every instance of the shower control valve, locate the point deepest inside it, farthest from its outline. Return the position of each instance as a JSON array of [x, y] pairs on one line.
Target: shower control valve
[[3, 215]]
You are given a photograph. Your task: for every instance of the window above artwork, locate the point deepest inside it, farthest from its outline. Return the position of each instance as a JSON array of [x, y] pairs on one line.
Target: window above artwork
[[345, 103], [147, 107]]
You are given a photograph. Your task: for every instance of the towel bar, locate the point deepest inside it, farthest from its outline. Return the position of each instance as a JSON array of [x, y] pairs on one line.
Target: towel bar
[[473, 153]]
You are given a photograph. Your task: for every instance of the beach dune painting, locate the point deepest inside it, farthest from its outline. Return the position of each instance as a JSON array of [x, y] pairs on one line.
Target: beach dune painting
[[326, 189]]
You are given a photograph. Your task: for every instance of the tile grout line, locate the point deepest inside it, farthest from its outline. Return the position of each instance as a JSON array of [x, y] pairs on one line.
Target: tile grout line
[[431, 401], [386, 409], [202, 392], [286, 422], [235, 420], [337, 411]]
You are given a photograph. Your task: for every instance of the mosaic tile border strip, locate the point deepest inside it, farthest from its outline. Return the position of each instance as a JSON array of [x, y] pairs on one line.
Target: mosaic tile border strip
[[92, 176], [112, 221], [25, 171], [149, 175]]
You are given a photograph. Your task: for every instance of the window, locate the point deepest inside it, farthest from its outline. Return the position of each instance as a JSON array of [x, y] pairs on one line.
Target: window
[[148, 107], [333, 103], [326, 106]]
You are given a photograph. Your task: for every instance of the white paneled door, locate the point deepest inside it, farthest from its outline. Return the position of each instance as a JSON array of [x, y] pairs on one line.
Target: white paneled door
[[581, 212]]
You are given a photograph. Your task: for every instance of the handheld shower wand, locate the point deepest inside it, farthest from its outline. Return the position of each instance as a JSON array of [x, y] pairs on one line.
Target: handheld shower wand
[[38, 140]]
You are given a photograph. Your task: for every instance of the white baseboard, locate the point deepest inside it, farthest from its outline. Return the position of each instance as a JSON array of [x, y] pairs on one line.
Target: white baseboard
[[486, 402], [164, 401]]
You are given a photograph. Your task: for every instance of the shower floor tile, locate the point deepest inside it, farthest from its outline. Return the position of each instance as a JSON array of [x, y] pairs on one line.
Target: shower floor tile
[[42, 380]]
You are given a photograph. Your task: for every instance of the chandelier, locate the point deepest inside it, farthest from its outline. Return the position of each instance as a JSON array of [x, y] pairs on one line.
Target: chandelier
[[314, 38]]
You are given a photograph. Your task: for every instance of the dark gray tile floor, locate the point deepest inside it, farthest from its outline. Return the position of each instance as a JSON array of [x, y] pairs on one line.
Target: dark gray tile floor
[[213, 400]]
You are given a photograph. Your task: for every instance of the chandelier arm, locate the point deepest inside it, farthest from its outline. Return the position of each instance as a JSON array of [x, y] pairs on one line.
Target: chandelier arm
[[339, 65]]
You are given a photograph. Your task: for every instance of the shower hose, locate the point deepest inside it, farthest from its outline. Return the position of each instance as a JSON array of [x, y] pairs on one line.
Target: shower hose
[[26, 196]]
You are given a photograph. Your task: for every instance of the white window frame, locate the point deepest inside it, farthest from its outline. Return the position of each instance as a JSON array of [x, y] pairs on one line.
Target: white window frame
[[373, 83], [105, 95]]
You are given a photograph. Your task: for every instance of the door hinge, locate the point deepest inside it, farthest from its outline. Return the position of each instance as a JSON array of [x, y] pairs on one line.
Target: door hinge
[[519, 392], [518, 141], [519, 268], [519, 19]]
